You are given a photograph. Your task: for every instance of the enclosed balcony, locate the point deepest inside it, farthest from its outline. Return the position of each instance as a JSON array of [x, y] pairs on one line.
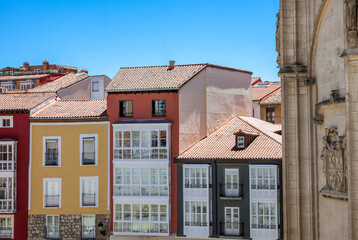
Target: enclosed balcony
[[7, 155]]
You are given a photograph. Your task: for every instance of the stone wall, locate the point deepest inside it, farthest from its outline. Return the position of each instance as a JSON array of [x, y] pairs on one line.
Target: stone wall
[[70, 227]]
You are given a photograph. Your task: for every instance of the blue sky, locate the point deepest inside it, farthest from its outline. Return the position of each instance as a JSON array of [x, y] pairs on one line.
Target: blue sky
[[104, 35]]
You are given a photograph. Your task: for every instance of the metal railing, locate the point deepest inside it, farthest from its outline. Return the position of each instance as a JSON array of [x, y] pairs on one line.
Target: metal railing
[[5, 232], [52, 200], [263, 226], [195, 185], [264, 186], [7, 205], [231, 190], [88, 199], [89, 232], [51, 158], [231, 229], [196, 224], [159, 113], [88, 158], [53, 232]]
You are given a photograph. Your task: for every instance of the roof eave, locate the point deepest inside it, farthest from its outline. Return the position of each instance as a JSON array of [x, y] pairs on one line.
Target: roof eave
[[141, 90]]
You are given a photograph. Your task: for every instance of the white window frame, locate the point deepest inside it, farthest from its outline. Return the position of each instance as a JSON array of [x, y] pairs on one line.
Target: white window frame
[[192, 182], [59, 225], [96, 190], [44, 139], [12, 225], [45, 180], [6, 118], [14, 156], [139, 185], [95, 136], [10, 195], [232, 231], [8, 85], [239, 143], [27, 83], [88, 215], [93, 86], [231, 192]]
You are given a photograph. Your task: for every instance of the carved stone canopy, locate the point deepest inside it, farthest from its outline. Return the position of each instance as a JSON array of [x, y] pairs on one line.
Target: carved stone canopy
[[334, 162]]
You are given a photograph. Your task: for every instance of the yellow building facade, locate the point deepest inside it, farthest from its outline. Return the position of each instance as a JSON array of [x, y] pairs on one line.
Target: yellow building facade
[[69, 177]]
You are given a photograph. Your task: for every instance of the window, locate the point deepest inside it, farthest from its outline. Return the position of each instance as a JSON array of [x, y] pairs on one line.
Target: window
[[126, 108], [7, 194], [27, 85], [263, 178], [6, 227], [89, 149], [52, 151], [6, 122], [232, 224], [232, 182], [141, 144], [89, 226], [7, 155], [196, 177], [8, 85], [196, 213], [146, 219], [89, 191], [95, 86], [270, 114], [158, 108], [52, 192], [263, 215], [141, 181], [240, 141], [53, 226]]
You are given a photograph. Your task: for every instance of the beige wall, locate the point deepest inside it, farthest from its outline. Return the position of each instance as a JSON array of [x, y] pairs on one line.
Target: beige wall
[[277, 112], [209, 100]]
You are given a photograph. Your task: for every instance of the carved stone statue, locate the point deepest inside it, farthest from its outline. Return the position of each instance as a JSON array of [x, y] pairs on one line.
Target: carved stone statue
[[278, 38], [334, 164], [351, 20]]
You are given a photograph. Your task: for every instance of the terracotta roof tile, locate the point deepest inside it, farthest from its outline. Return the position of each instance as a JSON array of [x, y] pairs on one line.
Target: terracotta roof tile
[[260, 91], [23, 101], [22, 77], [60, 83], [220, 144], [254, 80], [73, 109], [157, 77], [274, 98]]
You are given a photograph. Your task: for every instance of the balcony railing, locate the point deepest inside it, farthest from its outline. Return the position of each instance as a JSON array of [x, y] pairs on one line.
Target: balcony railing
[[263, 226], [88, 199], [89, 232], [158, 113], [231, 229], [231, 190], [53, 232], [7, 205], [195, 185], [51, 158], [196, 224], [52, 200], [88, 158], [5, 232], [264, 186]]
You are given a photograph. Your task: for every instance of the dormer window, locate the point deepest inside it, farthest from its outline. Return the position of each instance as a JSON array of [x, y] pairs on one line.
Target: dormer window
[[240, 141]]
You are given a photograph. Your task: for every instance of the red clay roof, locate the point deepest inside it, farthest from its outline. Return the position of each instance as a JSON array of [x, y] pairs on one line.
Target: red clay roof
[[272, 98], [158, 77], [60, 83], [221, 143], [70, 109], [23, 101], [23, 77], [260, 91], [255, 80]]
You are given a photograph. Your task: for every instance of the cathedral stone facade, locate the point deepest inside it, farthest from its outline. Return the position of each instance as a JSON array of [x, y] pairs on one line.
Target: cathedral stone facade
[[318, 61]]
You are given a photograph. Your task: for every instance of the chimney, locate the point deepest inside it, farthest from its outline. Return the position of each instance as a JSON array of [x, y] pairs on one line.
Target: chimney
[[27, 66], [171, 64], [84, 71], [45, 65]]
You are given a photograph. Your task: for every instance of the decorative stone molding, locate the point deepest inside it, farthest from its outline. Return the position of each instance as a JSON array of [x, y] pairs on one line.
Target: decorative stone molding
[[334, 165], [309, 82], [295, 67], [278, 39], [351, 21], [318, 119], [334, 99]]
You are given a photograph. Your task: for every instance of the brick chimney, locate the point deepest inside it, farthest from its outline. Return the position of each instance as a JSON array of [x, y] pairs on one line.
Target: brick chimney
[[171, 64], [27, 66], [45, 65], [84, 71]]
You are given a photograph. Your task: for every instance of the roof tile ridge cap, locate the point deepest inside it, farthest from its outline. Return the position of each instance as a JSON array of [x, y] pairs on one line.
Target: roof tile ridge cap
[[179, 65], [278, 87], [207, 136], [270, 94], [44, 107], [81, 100], [259, 129]]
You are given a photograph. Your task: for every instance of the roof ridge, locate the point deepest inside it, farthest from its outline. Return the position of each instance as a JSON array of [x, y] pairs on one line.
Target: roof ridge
[[192, 146], [270, 94], [179, 65], [259, 129], [27, 92], [44, 107], [80, 100]]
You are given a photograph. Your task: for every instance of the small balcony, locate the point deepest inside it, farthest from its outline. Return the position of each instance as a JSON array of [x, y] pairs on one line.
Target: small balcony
[[88, 158], [5, 232], [52, 200], [89, 232], [231, 229], [231, 191], [89, 199], [52, 232], [51, 158]]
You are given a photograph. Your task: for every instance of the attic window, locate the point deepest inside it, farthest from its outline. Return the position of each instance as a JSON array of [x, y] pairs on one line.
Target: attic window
[[240, 141]]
